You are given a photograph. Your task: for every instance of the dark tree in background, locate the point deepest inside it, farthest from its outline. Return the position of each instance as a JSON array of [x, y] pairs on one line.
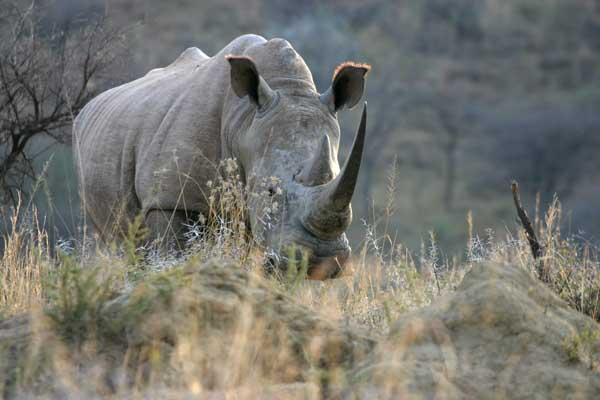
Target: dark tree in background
[[548, 148], [48, 72]]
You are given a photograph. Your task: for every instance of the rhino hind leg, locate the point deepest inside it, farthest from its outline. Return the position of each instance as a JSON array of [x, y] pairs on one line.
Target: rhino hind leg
[[167, 228]]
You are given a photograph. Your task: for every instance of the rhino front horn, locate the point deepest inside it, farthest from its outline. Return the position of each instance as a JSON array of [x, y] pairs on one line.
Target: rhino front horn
[[330, 214]]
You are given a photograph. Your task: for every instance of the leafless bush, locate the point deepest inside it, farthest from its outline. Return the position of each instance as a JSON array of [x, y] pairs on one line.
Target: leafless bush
[[47, 75]]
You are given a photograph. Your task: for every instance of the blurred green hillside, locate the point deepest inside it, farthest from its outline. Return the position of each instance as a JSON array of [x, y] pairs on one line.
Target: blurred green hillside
[[464, 95]]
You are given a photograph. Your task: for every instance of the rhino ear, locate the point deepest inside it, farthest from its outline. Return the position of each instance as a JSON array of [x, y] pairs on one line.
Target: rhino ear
[[246, 81], [347, 86]]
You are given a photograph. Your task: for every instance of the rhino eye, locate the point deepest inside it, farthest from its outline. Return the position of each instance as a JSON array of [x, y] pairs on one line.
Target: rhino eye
[[298, 171], [271, 191]]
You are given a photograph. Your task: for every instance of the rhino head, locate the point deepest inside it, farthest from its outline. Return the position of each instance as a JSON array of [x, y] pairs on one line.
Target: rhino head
[[289, 147]]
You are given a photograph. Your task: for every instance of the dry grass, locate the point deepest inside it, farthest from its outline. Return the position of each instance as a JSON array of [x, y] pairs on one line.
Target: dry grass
[[23, 263], [131, 323], [571, 266]]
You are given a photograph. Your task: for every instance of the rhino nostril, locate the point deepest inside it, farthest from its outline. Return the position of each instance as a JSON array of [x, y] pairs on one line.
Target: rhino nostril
[[271, 264], [296, 177]]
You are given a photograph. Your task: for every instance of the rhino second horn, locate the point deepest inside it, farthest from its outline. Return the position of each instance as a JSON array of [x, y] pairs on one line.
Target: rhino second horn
[[330, 213], [319, 168]]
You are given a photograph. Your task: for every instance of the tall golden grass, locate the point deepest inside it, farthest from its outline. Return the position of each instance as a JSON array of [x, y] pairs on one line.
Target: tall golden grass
[[130, 323], [23, 263]]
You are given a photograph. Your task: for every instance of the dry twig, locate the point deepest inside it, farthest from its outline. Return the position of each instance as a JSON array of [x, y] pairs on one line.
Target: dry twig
[[537, 249]]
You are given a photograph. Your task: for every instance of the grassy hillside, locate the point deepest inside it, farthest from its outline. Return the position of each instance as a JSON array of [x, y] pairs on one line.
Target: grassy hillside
[[210, 322]]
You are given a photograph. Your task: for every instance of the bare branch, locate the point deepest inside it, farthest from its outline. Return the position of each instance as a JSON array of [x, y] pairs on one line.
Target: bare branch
[[534, 244], [537, 250], [46, 78]]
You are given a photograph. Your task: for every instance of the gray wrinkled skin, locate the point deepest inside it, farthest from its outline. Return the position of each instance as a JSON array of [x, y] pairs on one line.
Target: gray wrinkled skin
[[150, 146]]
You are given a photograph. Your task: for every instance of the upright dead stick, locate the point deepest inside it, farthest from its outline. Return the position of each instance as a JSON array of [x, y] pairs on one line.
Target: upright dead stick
[[537, 250]]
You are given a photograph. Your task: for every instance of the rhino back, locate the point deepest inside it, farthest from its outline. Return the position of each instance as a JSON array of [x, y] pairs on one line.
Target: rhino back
[[154, 142]]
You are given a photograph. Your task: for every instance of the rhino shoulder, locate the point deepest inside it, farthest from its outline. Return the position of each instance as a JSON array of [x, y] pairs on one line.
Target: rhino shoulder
[[191, 56]]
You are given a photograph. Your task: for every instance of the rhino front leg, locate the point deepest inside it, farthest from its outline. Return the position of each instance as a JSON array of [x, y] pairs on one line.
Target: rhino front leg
[[167, 228]]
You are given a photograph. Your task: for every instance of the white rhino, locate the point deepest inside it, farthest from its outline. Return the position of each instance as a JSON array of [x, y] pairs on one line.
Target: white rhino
[[151, 146]]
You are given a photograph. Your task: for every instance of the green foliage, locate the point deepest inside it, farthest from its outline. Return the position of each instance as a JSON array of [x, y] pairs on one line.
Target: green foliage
[[137, 233], [77, 297], [583, 346], [296, 269], [155, 293]]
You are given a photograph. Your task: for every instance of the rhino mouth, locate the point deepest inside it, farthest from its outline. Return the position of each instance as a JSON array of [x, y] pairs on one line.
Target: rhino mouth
[[321, 266]]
